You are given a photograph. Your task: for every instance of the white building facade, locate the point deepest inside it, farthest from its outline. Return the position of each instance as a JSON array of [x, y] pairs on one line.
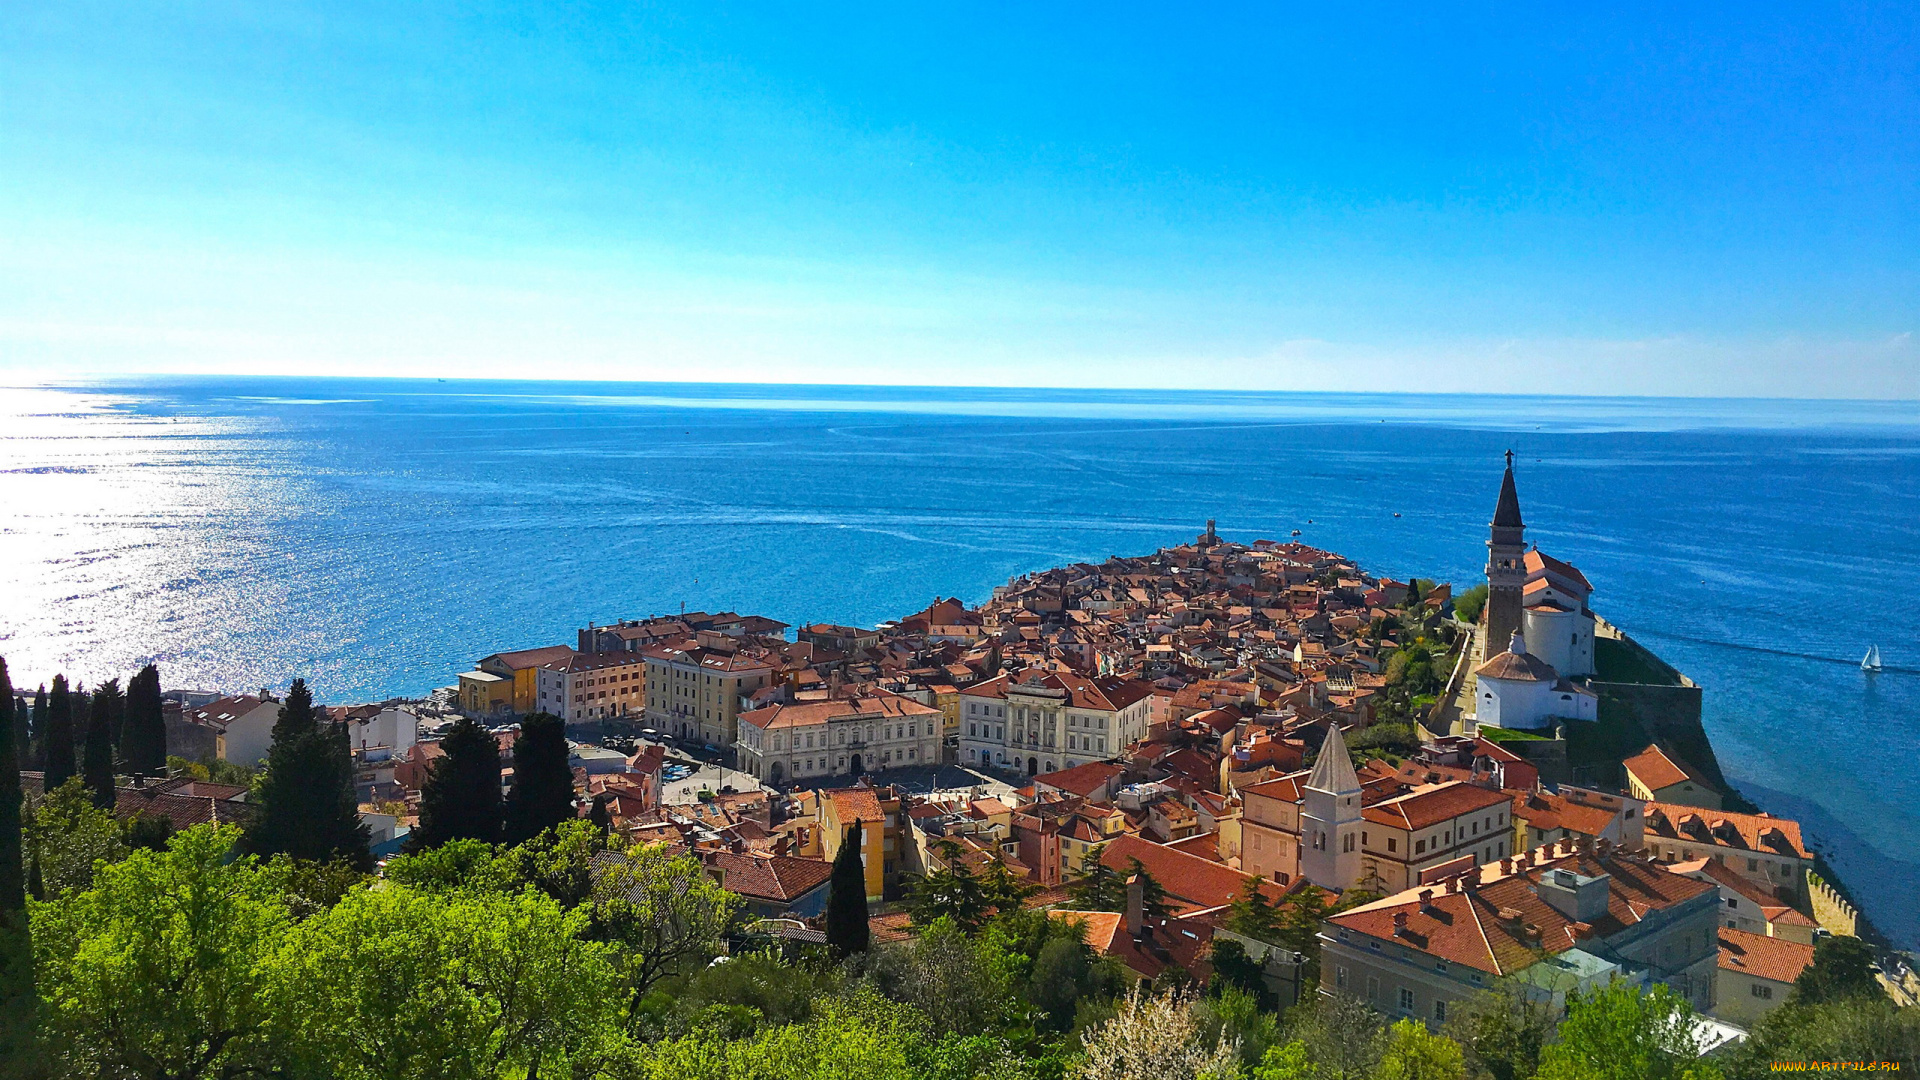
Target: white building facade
[[1046, 721]]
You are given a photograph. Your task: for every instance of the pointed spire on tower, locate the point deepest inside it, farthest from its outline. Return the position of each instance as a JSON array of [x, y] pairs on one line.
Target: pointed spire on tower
[[1333, 770], [1506, 513]]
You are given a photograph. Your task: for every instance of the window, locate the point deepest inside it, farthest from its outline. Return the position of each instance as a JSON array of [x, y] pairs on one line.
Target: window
[[1406, 1000], [1732, 902], [1373, 988], [1439, 1011], [1765, 993], [1420, 847], [1752, 865], [1340, 976], [1392, 844]]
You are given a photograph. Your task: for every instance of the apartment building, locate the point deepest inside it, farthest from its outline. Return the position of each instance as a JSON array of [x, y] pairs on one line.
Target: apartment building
[[1040, 721], [1765, 850], [805, 741], [1550, 922], [582, 687], [694, 693]]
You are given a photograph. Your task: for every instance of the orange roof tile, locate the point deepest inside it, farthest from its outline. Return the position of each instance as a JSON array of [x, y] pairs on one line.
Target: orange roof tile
[[1772, 958]]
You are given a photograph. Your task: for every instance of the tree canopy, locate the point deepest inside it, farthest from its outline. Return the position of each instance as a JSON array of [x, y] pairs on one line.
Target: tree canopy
[[542, 795], [308, 808], [461, 797]]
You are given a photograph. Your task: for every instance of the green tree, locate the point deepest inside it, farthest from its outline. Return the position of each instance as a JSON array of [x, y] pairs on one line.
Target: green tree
[[160, 968], [943, 976], [1100, 888], [57, 745], [461, 796], [68, 837], [17, 994], [1842, 968], [846, 918], [1153, 895], [308, 808], [1065, 973], [542, 795], [1243, 1020], [1619, 1032], [1501, 1032], [661, 912], [13, 867], [1252, 914], [1004, 892], [1468, 605], [1343, 1037], [1850, 1028], [17, 726], [97, 762], [393, 983], [952, 892], [1287, 1061], [34, 730], [1414, 1053], [143, 738], [1234, 969]]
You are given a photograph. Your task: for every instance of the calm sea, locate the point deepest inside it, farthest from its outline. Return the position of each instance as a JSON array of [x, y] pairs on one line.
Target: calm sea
[[379, 536]]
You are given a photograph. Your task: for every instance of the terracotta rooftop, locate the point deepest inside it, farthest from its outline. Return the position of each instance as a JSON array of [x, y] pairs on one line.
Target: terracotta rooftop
[[1723, 828], [1763, 957], [1201, 883], [1656, 769], [1430, 806], [769, 877], [1081, 780], [1465, 927], [879, 704]]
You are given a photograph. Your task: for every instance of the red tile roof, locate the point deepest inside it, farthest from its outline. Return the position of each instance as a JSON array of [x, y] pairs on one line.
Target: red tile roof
[[1466, 927], [1081, 780], [1772, 958], [1656, 769], [1201, 883], [1725, 829], [780, 878], [1431, 806]]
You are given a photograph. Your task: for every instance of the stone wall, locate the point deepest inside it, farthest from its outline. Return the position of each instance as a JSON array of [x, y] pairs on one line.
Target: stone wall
[[1830, 909]]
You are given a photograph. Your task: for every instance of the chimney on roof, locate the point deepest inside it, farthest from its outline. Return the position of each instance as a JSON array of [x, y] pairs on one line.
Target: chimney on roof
[[1399, 924], [1426, 899], [1136, 907]]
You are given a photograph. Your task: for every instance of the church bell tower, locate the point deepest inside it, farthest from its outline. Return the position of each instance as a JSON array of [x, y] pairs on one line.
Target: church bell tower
[[1330, 817], [1506, 569]]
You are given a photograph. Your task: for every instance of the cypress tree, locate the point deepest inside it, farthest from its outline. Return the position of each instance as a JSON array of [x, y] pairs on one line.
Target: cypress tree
[[34, 754], [97, 763], [307, 804], [846, 920], [542, 794], [57, 745], [22, 734], [461, 797], [12, 869], [17, 996], [143, 740]]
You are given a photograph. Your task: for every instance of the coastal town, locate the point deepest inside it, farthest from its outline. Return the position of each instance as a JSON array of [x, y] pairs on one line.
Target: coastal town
[[1494, 784]]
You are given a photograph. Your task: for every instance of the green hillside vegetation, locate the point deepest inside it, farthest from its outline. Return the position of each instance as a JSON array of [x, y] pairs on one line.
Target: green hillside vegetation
[[573, 956]]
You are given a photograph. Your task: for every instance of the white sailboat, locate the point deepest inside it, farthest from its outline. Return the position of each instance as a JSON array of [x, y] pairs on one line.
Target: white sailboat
[[1872, 660]]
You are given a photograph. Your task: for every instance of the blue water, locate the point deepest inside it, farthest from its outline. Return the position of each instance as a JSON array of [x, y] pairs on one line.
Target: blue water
[[379, 536]]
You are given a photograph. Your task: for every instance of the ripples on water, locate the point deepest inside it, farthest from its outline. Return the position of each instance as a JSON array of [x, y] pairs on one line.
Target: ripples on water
[[377, 537]]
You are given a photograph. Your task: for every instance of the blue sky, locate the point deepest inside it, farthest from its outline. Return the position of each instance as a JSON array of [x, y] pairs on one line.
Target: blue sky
[[1710, 200]]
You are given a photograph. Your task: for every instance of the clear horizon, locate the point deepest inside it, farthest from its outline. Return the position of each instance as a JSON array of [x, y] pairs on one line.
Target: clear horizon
[[1699, 203]]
